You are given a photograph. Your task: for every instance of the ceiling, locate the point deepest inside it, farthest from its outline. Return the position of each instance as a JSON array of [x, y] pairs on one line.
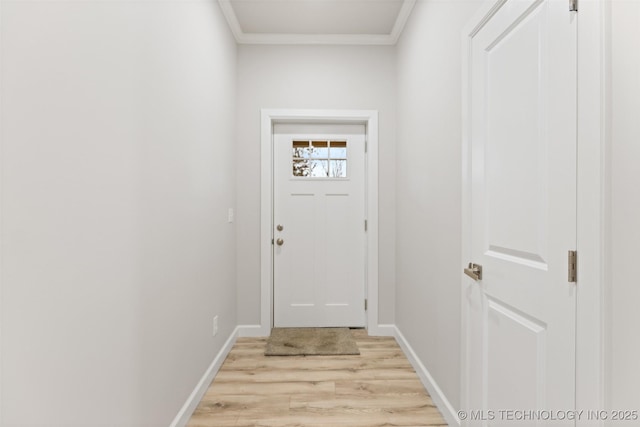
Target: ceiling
[[377, 22]]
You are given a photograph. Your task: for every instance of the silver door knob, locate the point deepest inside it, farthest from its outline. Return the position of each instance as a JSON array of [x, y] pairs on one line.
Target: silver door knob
[[280, 228], [279, 242]]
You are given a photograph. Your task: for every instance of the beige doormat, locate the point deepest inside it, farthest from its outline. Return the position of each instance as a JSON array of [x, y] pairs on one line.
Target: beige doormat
[[311, 342]]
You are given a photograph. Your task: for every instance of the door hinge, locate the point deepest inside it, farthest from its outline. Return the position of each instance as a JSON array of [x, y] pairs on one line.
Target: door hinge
[[573, 266], [365, 305], [573, 5], [272, 242], [365, 225], [366, 145]]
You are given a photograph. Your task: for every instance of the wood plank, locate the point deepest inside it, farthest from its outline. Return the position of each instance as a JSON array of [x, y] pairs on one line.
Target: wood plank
[[218, 405], [272, 388], [380, 387], [315, 375], [316, 363], [382, 404], [350, 420], [206, 420]]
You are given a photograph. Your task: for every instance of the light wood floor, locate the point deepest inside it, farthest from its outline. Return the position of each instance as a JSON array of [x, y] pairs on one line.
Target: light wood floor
[[377, 388]]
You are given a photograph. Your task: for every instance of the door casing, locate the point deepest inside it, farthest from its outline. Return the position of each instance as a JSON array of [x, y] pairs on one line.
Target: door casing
[[269, 117]]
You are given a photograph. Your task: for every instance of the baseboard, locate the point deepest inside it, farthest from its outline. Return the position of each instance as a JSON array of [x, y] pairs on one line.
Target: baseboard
[[382, 331], [448, 411], [259, 331], [182, 418], [254, 331]]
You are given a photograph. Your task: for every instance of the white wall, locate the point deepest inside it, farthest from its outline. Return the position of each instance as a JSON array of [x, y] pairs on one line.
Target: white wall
[[429, 195], [117, 172], [335, 77], [623, 349]]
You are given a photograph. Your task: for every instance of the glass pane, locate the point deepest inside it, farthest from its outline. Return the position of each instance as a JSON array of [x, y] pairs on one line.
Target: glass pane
[[319, 168], [338, 169], [338, 149], [301, 167], [301, 153], [320, 149], [301, 149]]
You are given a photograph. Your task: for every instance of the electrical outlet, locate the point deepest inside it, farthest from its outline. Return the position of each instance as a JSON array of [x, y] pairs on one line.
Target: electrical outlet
[[231, 215], [215, 325]]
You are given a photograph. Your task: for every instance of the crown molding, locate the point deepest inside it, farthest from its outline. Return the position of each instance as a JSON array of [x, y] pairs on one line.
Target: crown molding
[[401, 20], [317, 39], [232, 19]]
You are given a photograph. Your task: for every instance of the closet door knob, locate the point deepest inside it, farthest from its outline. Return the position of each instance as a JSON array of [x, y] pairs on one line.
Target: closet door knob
[[474, 271]]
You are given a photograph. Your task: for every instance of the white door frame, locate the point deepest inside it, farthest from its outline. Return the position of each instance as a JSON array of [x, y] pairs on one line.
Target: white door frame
[[1, 213], [269, 117], [592, 179]]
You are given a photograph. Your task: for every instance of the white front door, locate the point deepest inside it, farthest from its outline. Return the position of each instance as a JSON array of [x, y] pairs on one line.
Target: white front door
[[520, 317], [319, 234]]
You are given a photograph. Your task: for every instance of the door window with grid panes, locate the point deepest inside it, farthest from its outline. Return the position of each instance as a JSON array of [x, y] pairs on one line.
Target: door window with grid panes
[[319, 159]]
